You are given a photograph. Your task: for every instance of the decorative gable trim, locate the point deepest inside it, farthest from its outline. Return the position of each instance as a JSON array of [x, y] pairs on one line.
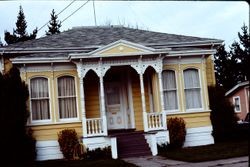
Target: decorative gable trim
[[120, 45]]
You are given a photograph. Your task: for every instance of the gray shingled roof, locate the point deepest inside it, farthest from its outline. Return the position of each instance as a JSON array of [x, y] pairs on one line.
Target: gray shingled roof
[[103, 35]]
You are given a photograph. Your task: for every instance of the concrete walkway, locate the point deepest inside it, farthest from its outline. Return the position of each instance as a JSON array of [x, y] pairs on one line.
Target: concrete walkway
[[157, 161]]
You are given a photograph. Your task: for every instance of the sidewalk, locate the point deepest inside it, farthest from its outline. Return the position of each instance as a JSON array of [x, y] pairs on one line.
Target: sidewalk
[[157, 161]]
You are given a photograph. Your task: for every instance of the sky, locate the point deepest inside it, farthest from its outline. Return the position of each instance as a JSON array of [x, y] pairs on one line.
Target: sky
[[211, 19]]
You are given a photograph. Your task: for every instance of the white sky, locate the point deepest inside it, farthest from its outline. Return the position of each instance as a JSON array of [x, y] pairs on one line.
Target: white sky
[[215, 19]]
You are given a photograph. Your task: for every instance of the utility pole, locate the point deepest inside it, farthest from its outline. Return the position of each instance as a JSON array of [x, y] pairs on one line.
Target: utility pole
[[94, 11]]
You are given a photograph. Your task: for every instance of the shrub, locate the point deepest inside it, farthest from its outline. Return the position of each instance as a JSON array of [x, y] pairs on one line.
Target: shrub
[[177, 132], [99, 153], [222, 115], [68, 140]]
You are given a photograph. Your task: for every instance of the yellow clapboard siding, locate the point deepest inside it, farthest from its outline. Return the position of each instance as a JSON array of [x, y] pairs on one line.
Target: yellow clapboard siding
[[49, 132], [92, 103], [194, 120], [137, 102]]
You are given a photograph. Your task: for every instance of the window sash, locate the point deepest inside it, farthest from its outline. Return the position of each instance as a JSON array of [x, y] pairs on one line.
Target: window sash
[[192, 89], [169, 90], [66, 97], [39, 99]]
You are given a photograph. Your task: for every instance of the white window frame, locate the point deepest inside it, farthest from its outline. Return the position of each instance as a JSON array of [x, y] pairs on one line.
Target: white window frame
[[176, 89], [76, 98], [234, 99], [201, 90], [45, 121]]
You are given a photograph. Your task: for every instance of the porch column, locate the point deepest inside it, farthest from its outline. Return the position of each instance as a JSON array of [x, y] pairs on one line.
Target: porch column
[[140, 68], [101, 70], [159, 72], [82, 98], [144, 113], [103, 115], [162, 100]]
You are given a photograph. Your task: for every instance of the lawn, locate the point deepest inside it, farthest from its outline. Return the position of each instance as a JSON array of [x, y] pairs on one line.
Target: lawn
[[85, 163], [216, 151]]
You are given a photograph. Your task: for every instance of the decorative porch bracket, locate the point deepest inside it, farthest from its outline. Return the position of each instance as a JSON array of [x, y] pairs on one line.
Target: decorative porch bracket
[[100, 70], [140, 68]]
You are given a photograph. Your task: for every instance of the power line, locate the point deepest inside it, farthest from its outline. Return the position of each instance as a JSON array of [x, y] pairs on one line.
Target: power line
[[57, 14], [75, 11], [94, 11]]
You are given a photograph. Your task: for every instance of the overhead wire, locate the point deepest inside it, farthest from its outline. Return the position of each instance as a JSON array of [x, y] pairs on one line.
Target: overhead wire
[[75, 11]]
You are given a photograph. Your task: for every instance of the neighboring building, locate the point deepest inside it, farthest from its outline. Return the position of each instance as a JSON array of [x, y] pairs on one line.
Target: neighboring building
[[99, 80], [239, 97]]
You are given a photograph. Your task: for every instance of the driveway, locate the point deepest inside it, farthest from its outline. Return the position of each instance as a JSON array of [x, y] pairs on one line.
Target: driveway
[[157, 161]]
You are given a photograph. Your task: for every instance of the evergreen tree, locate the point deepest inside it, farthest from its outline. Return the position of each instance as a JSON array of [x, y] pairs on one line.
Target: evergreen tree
[[16, 143], [54, 27], [20, 33], [232, 67]]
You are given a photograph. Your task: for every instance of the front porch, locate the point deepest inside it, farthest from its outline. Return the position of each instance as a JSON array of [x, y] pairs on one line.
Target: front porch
[[119, 97]]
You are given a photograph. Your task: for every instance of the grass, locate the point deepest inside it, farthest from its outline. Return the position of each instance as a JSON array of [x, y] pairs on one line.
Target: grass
[[216, 151], [85, 163]]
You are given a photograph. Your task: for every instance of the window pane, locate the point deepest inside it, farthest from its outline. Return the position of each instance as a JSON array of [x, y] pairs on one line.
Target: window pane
[[39, 99], [170, 93], [237, 104], [170, 99], [191, 78], [192, 89], [67, 107], [67, 103]]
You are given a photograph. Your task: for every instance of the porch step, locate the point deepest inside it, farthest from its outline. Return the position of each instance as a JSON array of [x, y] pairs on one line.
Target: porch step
[[132, 144]]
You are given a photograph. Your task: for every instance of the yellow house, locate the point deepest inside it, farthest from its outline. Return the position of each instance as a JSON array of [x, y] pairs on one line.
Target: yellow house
[[112, 80]]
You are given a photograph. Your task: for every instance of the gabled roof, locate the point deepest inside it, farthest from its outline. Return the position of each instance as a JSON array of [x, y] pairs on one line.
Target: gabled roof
[[236, 87], [97, 36]]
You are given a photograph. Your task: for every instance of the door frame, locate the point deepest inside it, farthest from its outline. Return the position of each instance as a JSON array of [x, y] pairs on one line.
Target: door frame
[[126, 99]]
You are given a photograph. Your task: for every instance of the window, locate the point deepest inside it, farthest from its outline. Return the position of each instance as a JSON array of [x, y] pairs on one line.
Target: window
[[192, 89], [237, 104], [40, 107], [67, 97], [169, 90]]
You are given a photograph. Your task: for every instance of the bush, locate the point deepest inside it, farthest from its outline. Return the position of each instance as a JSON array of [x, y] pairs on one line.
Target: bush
[[177, 132], [222, 115], [68, 142], [99, 153]]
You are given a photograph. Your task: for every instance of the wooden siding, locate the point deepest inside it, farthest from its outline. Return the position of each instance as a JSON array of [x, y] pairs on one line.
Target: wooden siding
[[194, 120], [49, 132], [210, 71], [137, 101], [91, 91]]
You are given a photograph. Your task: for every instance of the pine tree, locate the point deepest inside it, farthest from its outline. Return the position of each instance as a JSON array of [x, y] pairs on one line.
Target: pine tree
[[20, 33], [232, 67], [54, 27]]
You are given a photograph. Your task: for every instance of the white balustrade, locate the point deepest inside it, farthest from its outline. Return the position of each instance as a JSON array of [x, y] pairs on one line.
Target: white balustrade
[[156, 121], [94, 127]]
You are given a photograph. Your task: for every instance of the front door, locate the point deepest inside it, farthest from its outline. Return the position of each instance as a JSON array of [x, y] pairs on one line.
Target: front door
[[115, 118]]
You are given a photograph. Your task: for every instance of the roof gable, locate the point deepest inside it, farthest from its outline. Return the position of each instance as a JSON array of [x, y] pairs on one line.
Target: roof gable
[[121, 47]]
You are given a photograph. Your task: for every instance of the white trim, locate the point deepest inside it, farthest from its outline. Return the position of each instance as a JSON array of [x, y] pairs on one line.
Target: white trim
[[201, 92], [247, 98], [76, 98], [176, 89], [99, 51], [199, 136], [47, 150], [236, 97], [131, 105], [50, 106], [192, 52], [188, 112], [236, 86]]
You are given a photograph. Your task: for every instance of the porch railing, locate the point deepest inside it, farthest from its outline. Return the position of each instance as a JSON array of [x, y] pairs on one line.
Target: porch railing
[[156, 121], [94, 127]]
